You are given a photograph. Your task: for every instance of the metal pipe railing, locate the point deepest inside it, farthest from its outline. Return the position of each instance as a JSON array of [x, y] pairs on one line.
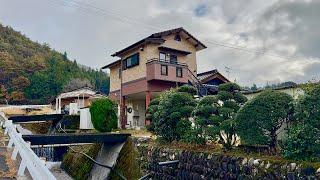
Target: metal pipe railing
[[166, 62]]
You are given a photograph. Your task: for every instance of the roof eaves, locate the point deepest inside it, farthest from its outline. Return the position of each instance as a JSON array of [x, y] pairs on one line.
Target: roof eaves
[[111, 64]]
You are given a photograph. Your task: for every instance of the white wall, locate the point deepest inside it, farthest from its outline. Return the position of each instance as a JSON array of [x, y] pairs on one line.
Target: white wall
[[137, 117], [294, 92]]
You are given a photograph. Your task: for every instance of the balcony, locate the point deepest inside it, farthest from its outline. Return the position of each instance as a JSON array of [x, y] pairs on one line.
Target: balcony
[[167, 71]]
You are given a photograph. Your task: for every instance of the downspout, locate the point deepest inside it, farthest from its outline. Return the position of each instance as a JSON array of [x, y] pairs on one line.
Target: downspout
[[121, 99]]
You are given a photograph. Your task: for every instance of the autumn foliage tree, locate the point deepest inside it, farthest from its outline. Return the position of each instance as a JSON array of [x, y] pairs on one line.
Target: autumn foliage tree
[[36, 73]]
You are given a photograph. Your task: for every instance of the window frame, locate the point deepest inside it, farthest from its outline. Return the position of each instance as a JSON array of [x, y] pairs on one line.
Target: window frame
[[177, 70], [125, 62], [166, 71], [176, 59], [165, 56]]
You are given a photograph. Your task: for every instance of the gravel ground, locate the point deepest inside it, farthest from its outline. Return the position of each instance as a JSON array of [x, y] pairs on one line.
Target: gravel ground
[[7, 166]]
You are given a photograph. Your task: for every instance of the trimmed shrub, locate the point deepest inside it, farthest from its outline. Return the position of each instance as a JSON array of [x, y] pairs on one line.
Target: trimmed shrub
[[215, 115], [260, 119], [173, 107], [104, 115], [188, 89]]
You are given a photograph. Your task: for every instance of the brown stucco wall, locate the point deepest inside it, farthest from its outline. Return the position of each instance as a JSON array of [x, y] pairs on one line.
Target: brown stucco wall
[[184, 45], [151, 51], [133, 87], [154, 72], [159, 86], [114, 78]]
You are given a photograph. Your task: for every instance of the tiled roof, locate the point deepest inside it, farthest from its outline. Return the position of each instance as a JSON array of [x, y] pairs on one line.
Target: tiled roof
[[205, 75]]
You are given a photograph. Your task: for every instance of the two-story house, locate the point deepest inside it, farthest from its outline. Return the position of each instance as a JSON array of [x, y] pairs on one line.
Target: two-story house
[[150, 66]]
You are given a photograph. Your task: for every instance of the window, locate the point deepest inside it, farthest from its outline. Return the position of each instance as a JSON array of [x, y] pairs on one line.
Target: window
[[179, 71], [173, 59], [131, 61], [177, 37], [164, 70], [119, 71], [162, 56]]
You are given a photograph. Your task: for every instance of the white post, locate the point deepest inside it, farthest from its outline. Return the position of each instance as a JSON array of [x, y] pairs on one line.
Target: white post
[[14, 153], [57, 105], [10, 144], [22, 167]]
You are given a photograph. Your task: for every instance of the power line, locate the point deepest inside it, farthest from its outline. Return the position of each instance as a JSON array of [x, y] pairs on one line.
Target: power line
[[89, 8], [133, 21], [228, 71]]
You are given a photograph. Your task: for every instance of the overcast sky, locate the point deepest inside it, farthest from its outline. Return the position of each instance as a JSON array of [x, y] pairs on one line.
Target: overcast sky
[[287, 31]]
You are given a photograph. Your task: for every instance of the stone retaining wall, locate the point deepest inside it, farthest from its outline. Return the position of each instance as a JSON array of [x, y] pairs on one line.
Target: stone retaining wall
[[212, 166]]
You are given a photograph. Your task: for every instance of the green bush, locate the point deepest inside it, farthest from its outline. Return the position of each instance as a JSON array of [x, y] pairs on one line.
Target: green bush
[[188, 89], [302, 143], [153, 106], [104, 115], [214, 115], [173, 107], [303, 137], [260, 119]]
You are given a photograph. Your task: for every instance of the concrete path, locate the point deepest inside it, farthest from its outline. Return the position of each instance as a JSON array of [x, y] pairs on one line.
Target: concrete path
[[8, 168]]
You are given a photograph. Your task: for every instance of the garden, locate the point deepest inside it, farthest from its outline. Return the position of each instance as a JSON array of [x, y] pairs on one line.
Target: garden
[[272, 126], [225, 135]]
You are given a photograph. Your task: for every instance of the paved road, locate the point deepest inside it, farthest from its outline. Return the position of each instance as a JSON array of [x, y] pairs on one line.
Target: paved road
[[8, 168]]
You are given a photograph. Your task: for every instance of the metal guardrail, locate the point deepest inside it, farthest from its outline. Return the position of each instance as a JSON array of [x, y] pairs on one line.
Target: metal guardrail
[[168, 62], [29, 160], [197, 84]]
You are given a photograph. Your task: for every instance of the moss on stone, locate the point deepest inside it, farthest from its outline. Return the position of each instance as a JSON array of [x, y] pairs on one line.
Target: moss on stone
[[38, 128], [71, 121], [77, 165], [127, 163]]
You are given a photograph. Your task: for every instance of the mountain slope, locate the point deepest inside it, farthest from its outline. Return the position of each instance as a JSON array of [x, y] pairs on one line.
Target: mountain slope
[[34, 73]]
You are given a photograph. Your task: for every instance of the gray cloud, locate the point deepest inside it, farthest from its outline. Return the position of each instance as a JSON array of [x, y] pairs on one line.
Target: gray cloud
[[90, 35]]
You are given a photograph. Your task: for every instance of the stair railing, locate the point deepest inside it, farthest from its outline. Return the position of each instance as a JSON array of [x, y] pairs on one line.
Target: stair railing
[[197, 83]]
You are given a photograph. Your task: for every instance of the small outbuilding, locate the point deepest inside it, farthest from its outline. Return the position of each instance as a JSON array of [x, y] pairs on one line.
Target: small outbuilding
[[71, 102]]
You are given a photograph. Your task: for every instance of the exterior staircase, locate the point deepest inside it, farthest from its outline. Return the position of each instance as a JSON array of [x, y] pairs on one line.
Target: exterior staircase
[[195, 82]]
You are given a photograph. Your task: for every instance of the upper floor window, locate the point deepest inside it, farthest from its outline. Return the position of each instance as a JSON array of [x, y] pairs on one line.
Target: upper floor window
[[179, 71], [162, 56], [177, 37], [119, 71], [131, 61], [173, 59], [164, 70]]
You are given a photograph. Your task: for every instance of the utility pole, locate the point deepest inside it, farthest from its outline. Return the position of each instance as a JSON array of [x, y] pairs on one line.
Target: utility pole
[[228, 69]]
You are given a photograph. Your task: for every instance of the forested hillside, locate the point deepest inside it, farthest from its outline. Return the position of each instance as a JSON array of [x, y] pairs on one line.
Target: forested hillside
[[34, 73]]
